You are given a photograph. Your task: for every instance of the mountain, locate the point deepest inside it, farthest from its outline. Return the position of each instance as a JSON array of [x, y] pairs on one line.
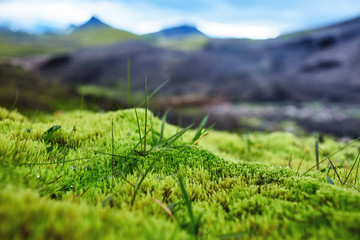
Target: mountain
[[92, 23], [91, 33], [179, 31], [4, 29], [184, 37]]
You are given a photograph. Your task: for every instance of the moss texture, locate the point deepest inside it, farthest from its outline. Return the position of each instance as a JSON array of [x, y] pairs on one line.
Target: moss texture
[[83, 179]]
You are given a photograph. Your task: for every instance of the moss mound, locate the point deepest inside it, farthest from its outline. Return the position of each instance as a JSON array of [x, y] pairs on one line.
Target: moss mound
[[76, 175]]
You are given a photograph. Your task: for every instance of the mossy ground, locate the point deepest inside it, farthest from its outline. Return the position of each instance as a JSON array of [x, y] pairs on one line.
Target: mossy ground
[[69, 185]]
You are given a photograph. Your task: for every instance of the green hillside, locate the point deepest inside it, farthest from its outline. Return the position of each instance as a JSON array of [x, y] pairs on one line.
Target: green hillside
[[190, 43], [89, 175], [13, 45], [98, 36]]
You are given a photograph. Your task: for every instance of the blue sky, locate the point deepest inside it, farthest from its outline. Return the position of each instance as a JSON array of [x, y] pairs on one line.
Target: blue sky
[[220, 18]]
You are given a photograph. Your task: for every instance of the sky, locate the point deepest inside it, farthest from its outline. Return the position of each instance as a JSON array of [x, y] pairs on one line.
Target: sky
[[258, 19]]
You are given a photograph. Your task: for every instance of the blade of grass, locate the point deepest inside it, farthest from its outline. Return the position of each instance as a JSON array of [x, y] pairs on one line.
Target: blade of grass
[[163, 121], [146, 109], [347, 177], [188, 204], [54, 180], [141, 141], [200, 128], [337, 174], [112, 150], [297, 171], [167, 210], [14, 104], [357, 171], [172, 139], [127, 181], [138, 184], [138, 123], [116, 155], [128, 86], [67, 161], [316, 151], [290, 160], [333, 154], [153, 93], [353, 186], [204, 133], [67, 144]]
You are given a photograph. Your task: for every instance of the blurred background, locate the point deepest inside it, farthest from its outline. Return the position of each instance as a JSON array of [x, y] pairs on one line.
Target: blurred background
[[252, 65]]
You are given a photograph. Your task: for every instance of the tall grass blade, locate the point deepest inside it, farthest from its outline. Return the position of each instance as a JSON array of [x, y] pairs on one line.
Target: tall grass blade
[[200, 128], [172, 139], [112, 150], [141, 139], [333, 154], [290, 160], [138, 123], [116, 155], [188, 204], [14, 104], [138, 184], [146, 110], [347, 177], [357, 171], [67, 144], [333, 166], [163, 122], [204, 134], [67, 161], [153, 93], [128, 85], [316, 151], [302, 159]]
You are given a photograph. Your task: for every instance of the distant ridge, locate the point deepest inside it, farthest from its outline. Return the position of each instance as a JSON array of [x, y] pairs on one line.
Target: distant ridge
[[179, 31], [4, 29]]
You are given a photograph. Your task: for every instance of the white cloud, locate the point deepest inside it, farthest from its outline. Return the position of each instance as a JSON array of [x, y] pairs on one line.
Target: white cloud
[[239, 30], [26, 15], [218, 18], [132, 17]]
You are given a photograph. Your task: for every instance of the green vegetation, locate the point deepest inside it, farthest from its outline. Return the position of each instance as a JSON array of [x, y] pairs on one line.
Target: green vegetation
[[32, 92], [16, 44], [80, 175], [90, 37], [185, 44]]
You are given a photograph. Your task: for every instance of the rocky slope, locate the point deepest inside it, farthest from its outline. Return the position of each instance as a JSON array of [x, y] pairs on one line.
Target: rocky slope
[[319, 65]]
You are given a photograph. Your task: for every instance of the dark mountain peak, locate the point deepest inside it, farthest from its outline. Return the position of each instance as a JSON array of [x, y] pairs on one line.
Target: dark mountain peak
[[93, 22], [180, 31]]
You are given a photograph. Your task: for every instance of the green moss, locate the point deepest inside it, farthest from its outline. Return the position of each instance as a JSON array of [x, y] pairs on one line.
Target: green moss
[[237, 184]]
